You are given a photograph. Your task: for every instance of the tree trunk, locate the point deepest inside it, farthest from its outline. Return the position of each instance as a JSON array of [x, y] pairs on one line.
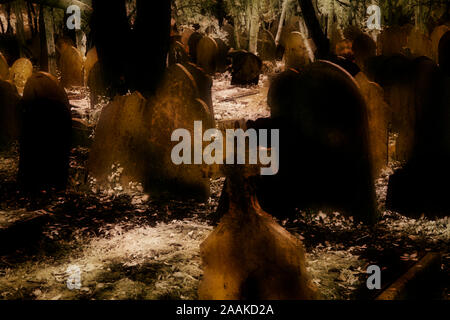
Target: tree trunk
[[48, 49], [254, 27], [19, 6], [281, 23], [315, 30]]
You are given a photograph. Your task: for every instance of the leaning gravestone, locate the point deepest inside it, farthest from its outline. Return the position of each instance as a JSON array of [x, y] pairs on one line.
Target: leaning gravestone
[[136, 133], [246, 68], [394, 76], [4, 68], [267, 50], [324, 145], [207, 53], [377, 110], [91, 60], [9, 113], [177, 53], [193, 41], [204, 84], [296, 55], [436, 36], [45, 139], [71, 64], [19, 73], [418, 188]]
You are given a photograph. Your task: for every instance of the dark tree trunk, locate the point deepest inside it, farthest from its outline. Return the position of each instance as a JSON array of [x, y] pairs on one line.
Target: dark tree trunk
[[131, 59], [315, 30]]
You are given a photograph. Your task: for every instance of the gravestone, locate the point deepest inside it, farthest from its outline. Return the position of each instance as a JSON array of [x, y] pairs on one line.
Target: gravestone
[[251, 257], [295, 54], [222, 56], [419, 187], [267, 50], [9, 113], [46, 134], [185, 37], [344, 49], [204, 84], [136, 133], [364, 48], [393, 40], [419, 44], [71, 65], [96, 85], [394, 75], [4, 68], [194, 39], [177, 53], [324, 151], [19, 73], [444, 53], [91, 60], [436, 36], [207, 54], [246, 68], [43, 85], [377, 110]]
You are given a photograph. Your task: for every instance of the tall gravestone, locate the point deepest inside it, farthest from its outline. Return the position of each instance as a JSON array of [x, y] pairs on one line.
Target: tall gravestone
[[324, 151], [193, 41], [207, 54], [46, 134], [20, 71]]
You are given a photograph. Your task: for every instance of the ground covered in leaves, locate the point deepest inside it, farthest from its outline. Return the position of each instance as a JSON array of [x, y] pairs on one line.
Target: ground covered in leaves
[[127, 245]]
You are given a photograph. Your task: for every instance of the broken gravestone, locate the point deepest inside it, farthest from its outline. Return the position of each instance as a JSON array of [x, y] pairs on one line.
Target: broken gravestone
[[246, 68], [296, 55], [19, 73], [324, 138], [249, 256], [136, 134], [4, 68], [71, 64], [9, 113], [45, 138], [207, 53]]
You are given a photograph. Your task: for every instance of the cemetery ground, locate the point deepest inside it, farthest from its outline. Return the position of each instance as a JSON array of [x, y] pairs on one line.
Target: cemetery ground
[[130, 246]]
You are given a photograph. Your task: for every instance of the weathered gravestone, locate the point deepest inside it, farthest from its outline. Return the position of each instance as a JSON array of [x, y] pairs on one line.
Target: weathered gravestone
[[222, 56], [91, 60], [204, 84], [246, 68], [394, 75], [137, 134], [19, 73], [377, 111], [185, 37], [177, 53], [249, 256], [4, 68], [71, 64], [393, 40], [207, 53], [45, 139], [419, 44], [323, 144], [444, 53], [436, 36], [295, 54], [420, 186], [194, 39], [267, 50], [9, 113]]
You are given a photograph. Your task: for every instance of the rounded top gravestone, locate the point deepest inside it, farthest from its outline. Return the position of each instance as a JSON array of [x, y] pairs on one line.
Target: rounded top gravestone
[[444, 53], [296, 55], [436, 36], [267, 49], [43, 85], [193, 41], [71, 64], [20, 71], [207, 52], [91, 60]]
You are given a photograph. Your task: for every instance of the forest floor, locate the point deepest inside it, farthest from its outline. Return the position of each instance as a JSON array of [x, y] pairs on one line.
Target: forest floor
[[129, 246]]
